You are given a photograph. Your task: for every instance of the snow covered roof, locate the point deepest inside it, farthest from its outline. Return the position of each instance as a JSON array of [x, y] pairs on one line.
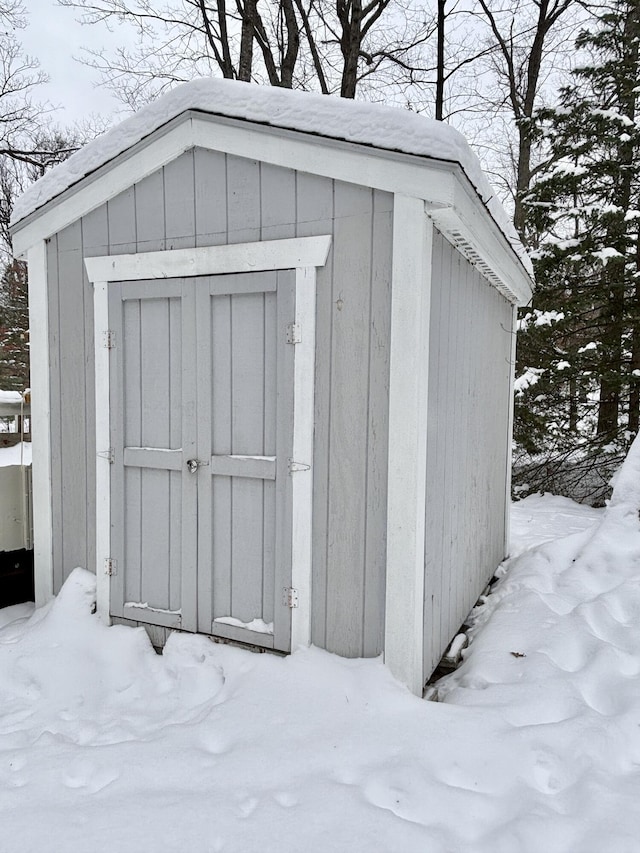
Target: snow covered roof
[[360, 122]]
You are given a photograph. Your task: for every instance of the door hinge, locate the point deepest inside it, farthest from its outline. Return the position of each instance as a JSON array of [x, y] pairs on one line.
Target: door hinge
[[109, 339], [109, 455], [294, 467], [110, 567], [294, 333], [290, 597]]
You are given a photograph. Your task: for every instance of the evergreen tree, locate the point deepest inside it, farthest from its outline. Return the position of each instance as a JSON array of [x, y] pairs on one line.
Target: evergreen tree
[[14, 328], [579, 356]]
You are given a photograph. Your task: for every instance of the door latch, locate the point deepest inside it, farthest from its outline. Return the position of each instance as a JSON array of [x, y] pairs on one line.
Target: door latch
[[193, 465]]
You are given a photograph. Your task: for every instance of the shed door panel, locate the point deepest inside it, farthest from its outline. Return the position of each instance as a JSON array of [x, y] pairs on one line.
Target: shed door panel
[[202, 371], [154, 540], [248, 408]]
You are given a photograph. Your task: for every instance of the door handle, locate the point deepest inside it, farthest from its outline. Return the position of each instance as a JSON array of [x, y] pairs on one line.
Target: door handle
[[194, 464]]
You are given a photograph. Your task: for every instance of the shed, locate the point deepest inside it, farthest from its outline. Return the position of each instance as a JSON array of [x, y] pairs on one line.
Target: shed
[[272, 365]]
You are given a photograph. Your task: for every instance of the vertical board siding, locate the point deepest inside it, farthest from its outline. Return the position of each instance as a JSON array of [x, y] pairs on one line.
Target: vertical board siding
[[243, 200], [277, 202], [56, 427], [122, 222], [179, 202], [94, 242], [314, 207], [210, 170], [349, 418], [467, 443], [377, 426], [207, 198], [74, 406], [149, 213]]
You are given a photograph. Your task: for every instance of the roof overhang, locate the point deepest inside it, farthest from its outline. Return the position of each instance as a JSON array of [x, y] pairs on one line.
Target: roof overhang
[[450, 198]]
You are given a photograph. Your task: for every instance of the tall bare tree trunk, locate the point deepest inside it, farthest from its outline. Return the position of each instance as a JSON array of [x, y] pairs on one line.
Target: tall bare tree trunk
[[350, 16], [522, 89], [245, 60], [440, 60]]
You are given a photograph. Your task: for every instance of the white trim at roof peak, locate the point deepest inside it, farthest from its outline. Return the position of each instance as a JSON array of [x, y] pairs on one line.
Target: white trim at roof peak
[[437, 182], [335, 159]]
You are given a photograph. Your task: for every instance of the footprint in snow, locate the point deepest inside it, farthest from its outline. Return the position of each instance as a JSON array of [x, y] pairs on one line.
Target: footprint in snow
[[212, 743], [17, 762], [85, 775], [551, 774], [347, 776], [248, 806], [601, 618], [285, 799], [17, 779], [404, 792]]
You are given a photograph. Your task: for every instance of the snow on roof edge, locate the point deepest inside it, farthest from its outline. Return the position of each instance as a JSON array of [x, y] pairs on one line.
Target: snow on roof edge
[[361, 122]]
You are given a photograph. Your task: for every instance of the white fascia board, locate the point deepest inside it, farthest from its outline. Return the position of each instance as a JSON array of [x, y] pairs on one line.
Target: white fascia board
[[291, 253], [41, 421], [407, 457], [110, 180], [334, 159], [455, 208], [469, 227]]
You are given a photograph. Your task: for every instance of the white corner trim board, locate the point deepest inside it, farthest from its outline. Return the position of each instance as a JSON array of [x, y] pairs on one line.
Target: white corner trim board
[[41, 418], [303, 255], [406, 495], [509, 459]]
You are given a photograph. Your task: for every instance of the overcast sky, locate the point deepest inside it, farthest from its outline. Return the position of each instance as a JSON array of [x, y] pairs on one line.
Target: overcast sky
[[54, 38]]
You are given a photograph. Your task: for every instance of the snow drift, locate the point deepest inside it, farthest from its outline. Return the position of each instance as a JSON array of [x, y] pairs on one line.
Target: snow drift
[[534, 747]]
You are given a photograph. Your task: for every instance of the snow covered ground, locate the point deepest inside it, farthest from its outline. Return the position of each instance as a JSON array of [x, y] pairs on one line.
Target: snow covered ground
[[541, 518], [17, 454], [534, 746]]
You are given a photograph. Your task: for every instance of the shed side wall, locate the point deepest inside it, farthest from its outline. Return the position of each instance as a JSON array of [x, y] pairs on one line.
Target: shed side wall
[[468, 446], [206, 198]]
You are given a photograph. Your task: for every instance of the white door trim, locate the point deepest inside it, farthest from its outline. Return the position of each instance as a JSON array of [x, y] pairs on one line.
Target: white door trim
[[303, 255], [294, 253], [103, 449], [301, 465]]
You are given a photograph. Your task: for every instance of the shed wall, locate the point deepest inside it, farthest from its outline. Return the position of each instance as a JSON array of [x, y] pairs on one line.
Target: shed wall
[[468, 446], [206, 198]]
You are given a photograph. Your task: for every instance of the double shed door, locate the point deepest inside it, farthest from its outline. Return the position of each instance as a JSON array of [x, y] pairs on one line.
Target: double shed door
[[201, 400]]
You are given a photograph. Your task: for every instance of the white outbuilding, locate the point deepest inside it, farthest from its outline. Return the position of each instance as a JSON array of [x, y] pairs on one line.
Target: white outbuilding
[[272, 343]]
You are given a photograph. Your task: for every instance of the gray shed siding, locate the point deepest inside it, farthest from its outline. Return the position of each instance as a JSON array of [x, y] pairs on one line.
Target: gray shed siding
[[207, 198], [468, 447]]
